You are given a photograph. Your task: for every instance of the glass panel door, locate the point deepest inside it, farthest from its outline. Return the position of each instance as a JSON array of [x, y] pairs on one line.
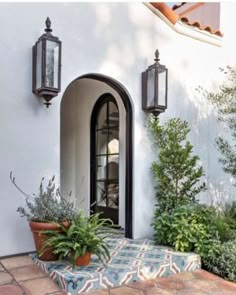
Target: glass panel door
[[106, 187]]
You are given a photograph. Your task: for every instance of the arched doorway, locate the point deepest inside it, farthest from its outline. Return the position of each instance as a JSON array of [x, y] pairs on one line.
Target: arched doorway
[[105, 158], [75, 117]]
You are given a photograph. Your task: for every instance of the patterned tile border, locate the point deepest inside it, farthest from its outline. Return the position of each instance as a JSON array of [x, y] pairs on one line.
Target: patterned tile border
[[131, 261]]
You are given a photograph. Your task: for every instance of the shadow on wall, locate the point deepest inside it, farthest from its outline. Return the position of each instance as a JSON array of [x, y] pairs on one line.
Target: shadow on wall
[[107, 50], [187, 104], [117, 54]]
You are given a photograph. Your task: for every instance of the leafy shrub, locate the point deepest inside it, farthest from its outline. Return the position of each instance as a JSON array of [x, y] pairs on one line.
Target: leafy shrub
[[225, 227], [201, 229], [225, 222], [224, 99], [180, 222], [222, 260], [230, 218], [176, 169], [222, 227], [230, 211], [48, 206], [187, 228]]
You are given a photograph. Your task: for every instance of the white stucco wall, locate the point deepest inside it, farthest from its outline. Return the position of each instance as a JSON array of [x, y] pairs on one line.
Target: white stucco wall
[[117, 40]]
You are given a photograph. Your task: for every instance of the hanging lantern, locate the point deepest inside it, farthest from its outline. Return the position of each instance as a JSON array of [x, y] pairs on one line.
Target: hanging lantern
[[47, 65], [154, 87]]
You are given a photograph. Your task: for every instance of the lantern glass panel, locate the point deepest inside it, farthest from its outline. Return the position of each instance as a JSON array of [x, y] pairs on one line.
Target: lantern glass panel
[[52, 64], [39, 65], [162, 88], [150, 87]]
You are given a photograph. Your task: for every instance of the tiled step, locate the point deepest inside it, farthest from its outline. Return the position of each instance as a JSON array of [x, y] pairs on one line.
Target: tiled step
[[131, 261]]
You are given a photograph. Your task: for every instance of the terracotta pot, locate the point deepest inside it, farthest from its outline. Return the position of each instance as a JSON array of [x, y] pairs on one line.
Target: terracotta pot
[[39, 238], [83, 260]]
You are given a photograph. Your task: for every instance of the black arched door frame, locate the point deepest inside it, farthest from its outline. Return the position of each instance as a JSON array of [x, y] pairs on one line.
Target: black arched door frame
[[125, 97]]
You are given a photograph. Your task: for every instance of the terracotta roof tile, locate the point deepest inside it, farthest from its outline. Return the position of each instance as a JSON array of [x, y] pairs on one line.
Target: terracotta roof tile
[[174, 17], [200, 27], [166, 11], [178, 5]]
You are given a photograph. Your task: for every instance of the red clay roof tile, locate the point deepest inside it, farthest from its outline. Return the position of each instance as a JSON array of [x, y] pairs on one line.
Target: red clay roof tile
[[174, 17], [166, 11], [178, 5], [200, 27]]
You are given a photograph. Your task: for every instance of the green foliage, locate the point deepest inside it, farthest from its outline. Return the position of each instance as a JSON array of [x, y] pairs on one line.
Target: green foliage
[[222, 260], [203, 230], [48, 206], [230, 211], [176, 170], [187, 228], [180, 222], [225, 226], [84, 234], [225, 102], [226, 222]]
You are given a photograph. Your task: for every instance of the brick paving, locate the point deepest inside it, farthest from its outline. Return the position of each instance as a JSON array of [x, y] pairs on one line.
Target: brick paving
[[19, 276]]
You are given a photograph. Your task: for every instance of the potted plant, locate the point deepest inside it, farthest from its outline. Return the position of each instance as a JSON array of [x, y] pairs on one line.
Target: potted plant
[[84, 236], [45, 211]]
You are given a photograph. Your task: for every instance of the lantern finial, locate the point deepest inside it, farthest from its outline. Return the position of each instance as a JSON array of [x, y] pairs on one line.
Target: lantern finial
[[48, 25], [157, 55]]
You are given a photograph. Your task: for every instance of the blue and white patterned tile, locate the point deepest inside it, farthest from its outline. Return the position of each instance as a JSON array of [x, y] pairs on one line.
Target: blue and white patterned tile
[[131, 260]]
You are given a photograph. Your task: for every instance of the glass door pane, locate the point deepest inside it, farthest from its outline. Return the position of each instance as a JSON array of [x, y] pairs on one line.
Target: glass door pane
[[113, 168], [113, 116], [113, 195], [101, 168], [102, 116], [102, 138], [113, 145], [101, 194], [107, 160]]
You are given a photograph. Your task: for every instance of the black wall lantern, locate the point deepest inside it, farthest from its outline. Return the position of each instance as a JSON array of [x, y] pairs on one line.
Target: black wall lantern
[[47, 65], [154, 87]]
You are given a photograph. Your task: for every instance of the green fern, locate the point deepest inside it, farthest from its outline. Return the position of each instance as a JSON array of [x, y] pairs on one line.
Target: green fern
[[81, 236]]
